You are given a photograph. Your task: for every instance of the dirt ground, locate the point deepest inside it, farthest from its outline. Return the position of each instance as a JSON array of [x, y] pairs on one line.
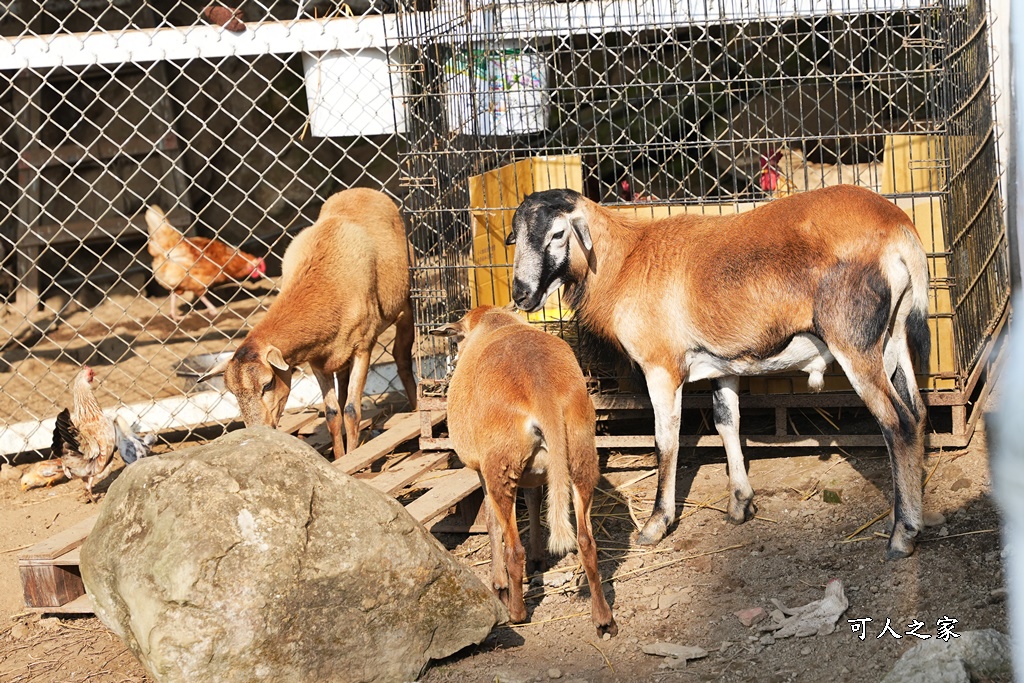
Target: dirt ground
[[684, 591]]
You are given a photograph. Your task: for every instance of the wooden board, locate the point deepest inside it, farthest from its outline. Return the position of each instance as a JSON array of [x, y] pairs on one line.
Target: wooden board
[[444, 493], [404, 428], [406, 472], [59, 544]]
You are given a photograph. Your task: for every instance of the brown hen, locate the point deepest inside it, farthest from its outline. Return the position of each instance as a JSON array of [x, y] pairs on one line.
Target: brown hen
[[83, 438], [194, 264]]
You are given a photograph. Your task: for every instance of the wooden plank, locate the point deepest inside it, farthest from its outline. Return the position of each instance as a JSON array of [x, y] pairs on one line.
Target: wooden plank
[[319, 437], [201, 41], [469, 517], [109, 228], [444, 492], [102, 150], [50, 585], [406, 472], [80, 605], [404, 429], [292, 423], [59, 544], [72, 558]]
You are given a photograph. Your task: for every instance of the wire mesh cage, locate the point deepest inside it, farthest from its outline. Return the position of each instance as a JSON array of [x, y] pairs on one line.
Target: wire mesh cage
[[659, 106], [237, 123]]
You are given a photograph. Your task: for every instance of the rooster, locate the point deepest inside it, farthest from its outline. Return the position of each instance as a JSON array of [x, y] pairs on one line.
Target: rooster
[[785, 171], [630, 195], [194, 264], [83, 438]]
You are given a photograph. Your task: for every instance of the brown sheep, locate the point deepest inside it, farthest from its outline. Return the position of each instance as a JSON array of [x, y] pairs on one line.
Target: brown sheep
[[520, 416], [836, 273], [345, 279]]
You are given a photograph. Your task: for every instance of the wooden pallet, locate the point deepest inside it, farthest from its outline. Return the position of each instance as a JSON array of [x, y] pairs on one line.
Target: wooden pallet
[[50, 572]]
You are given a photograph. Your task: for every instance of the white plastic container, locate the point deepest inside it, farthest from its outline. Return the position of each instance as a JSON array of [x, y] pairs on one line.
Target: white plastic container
[[350, 93], [497, 92]]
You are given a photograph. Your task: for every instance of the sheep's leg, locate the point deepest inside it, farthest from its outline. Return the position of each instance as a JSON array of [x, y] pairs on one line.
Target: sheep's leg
[[726, 402], [332, 409], [502, 503], [535, 552], [405, 334], [499, 574], [353, 412], [903, 431], [210, 308], [600, 612], [666, 392]]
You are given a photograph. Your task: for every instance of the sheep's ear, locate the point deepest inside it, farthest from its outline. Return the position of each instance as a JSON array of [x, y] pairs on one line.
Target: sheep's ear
[[275, 359], [449, 330], [217, 369], [579, 226], [510, 239]]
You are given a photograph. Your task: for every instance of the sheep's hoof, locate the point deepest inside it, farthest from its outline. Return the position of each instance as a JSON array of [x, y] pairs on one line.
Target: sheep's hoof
[[901, 543], [741, 511], [611, 628], [654, 530], [517, 613]]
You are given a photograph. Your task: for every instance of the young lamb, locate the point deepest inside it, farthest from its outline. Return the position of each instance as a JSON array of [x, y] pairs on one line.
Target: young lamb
[[519, 415], [836, 273], [345, 279]]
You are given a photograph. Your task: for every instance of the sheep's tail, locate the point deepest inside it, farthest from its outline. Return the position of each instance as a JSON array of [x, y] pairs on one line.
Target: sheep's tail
[[919, 338], [561, 537]]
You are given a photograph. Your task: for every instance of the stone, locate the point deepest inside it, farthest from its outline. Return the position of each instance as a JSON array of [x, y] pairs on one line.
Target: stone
[[662, 649], [673, 663], [49, 624], [555, 579], [944, 531], [554, 673], [805, 651], [932, 518], [510, 676], [670, 600], [749, 617], [19, 631], [767, 639], [252, 558], [648, 591], [9, 473], [961, 483], [975, 655]]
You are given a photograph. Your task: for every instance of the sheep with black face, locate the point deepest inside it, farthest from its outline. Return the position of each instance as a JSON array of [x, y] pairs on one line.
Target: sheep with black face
[[834, 274]]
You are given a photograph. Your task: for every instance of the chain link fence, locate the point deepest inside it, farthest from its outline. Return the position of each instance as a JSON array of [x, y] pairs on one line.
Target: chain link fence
[[237, 123], [652, 106]]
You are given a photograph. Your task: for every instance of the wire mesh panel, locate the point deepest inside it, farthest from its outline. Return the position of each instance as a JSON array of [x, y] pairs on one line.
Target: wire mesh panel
[[653, 106], [236, 123]]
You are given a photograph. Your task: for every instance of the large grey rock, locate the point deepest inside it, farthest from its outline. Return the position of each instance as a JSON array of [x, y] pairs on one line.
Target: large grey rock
[[975, 655], [252, 559]]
